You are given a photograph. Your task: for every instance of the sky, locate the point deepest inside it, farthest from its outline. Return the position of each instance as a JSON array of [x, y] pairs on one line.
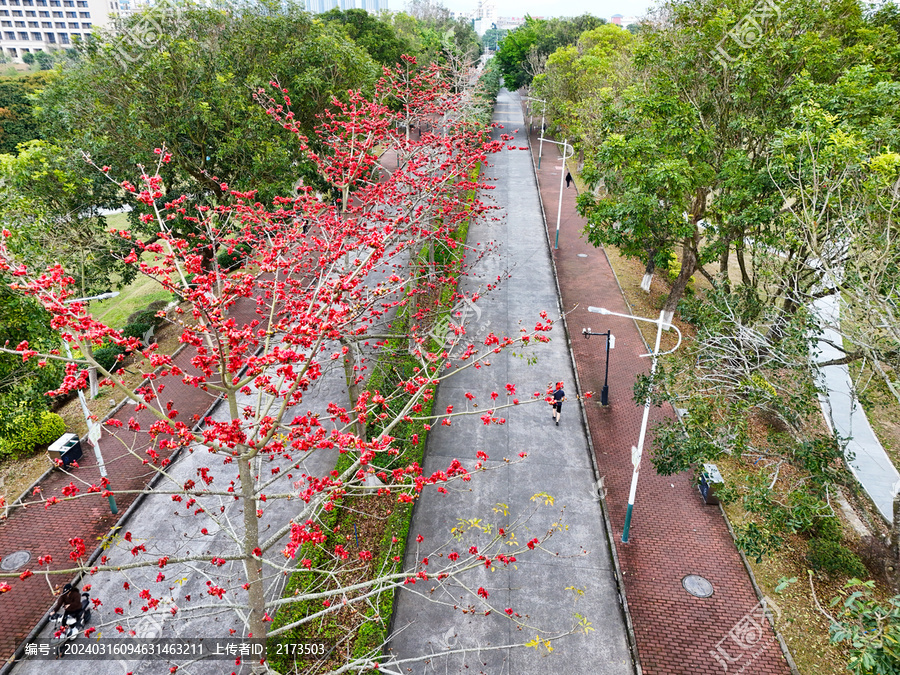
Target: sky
[[547, 8]]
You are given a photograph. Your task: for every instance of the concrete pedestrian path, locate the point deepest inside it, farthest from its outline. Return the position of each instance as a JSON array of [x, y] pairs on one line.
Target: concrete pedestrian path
[[673, 534], [845, 415], [575, 575]]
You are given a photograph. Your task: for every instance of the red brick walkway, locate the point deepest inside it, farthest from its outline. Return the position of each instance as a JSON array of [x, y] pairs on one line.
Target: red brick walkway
[[673, 534], [42, 531]]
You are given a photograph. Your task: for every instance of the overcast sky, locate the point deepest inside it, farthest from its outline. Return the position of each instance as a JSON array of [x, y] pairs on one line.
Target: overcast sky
[[602, 8]]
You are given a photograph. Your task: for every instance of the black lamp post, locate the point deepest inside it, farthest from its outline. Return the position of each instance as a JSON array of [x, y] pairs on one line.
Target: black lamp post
[[610, 344]]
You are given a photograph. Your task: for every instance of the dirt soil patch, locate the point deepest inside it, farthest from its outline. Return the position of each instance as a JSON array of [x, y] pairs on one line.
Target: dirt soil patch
[[17, 474], [803, 627]]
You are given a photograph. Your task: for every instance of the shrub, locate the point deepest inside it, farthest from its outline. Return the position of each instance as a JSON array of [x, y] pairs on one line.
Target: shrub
[[827, 528], [673, 269], [833, 558], [232, 256], [26, 433], [136, 330], [157, 305], [756, 541], [147, 316], [106, 356], [870, 630]]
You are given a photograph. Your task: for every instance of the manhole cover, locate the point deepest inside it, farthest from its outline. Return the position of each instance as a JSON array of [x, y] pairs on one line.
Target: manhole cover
[[582, 255], [697, 586], [14, 561]]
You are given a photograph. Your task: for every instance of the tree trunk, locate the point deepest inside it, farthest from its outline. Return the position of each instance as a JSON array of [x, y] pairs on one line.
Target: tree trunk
[[742, 264], [648, 270], [353, 388], [688, 267], [723, 266], [256, 598]]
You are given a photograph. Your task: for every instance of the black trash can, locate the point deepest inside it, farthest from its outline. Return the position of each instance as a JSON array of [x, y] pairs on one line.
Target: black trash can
[[710, 481], [66, 448]]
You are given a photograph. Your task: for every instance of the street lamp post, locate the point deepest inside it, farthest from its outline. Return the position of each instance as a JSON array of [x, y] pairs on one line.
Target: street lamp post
[[637, 451], [562, 177], [610, 344], [94, 429]]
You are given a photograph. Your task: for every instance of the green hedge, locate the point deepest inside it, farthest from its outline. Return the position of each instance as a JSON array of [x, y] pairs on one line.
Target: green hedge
[[107, 355], [233, 255], [26, 434], [136, 330]]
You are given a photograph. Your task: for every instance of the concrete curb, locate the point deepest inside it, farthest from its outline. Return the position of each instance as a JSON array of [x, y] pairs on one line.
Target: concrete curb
[[623, 601], [756, 589], [122, 521], [18, 502], [759, 594]]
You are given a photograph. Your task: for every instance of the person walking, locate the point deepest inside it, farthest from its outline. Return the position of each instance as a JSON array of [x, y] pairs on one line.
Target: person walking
[[558, 397], [568, 179]]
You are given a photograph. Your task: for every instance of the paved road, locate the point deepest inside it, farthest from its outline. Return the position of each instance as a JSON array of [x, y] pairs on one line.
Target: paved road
[[575, 575]]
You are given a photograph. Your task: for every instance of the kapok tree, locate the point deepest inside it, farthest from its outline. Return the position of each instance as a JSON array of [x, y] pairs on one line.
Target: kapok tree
[[323, 287]]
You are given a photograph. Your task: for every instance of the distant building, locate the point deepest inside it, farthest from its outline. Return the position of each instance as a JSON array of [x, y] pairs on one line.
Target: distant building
[[322, 6], [616, 19], [510, 22], [42, 25], [485, 16]]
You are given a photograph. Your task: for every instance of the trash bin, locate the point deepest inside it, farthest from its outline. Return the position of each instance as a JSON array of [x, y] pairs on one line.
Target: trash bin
[[66, 448], [710, 481]]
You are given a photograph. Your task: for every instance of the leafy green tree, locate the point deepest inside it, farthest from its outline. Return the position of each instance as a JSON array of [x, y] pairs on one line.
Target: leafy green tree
[[17, 121], [492, 38], [373, 33], [699, 125], [44, 60], [192, 92], [23, 384], [524, 50], [28, 58], [432, 33], [576, 72], [53, 210]]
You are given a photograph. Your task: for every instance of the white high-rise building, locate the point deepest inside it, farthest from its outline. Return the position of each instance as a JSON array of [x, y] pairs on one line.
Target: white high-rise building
[[32, 25], [321, 6], [485, 16]]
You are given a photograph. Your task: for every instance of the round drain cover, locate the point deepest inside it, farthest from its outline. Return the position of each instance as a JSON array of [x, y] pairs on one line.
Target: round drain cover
[[697, 586], [14, 561], [582, 255]]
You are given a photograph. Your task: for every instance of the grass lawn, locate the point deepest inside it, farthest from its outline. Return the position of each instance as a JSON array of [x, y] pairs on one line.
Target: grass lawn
[[137, 295]]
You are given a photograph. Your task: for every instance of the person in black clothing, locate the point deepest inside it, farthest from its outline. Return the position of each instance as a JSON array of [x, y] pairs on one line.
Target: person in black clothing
[[558, 397], [568, 179], [70, 602]]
